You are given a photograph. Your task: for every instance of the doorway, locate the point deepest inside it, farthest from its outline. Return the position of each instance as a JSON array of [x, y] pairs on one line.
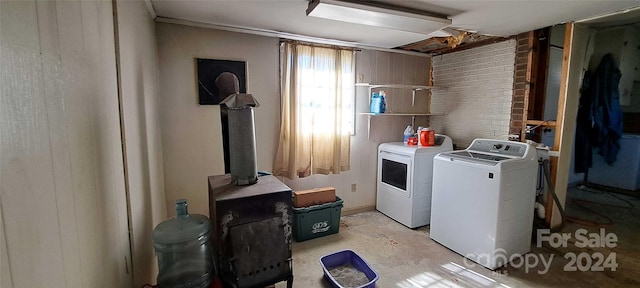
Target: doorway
[[619, 36]]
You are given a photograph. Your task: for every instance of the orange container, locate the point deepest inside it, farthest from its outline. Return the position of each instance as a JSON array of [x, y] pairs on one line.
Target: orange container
[[427, 137]]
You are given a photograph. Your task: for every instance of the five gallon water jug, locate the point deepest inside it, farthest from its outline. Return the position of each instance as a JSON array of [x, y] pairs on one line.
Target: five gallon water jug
[[185, 258]]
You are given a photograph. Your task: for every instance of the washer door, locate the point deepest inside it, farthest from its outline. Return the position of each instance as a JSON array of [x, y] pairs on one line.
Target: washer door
[[394, 173]]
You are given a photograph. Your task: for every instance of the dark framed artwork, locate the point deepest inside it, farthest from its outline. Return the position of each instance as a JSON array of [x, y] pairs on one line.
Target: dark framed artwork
[[209, 70]]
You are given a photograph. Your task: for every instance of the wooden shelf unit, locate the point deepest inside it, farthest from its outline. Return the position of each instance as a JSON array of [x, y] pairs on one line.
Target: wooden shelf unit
[[414, 89]]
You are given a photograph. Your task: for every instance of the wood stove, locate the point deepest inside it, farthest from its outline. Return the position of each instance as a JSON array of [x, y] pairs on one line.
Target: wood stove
[[251, 231]]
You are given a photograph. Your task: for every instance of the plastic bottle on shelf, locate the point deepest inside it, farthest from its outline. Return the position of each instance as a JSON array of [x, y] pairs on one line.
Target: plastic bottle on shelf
[[408, 132], [383, 102], [375, 103]]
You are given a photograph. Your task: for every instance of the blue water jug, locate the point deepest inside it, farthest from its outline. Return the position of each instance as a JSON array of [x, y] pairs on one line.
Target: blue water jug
[[185, 257]]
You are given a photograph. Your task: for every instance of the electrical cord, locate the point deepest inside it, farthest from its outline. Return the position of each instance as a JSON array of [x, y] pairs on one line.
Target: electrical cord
[[537, 126], [577, 202], [540, 185], [580, 203], [631, 206], [588, 189]]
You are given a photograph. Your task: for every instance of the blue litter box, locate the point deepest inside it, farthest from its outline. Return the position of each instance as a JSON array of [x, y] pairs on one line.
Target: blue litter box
[[347, 257]]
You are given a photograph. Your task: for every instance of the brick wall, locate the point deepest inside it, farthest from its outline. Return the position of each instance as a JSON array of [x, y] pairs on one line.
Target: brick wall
[[476, 89], [519, 83]]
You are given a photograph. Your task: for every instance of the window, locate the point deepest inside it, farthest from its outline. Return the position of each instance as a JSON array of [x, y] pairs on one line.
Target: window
[[318, 91]]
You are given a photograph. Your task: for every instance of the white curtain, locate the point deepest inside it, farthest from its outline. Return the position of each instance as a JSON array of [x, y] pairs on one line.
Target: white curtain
[[317, 86]]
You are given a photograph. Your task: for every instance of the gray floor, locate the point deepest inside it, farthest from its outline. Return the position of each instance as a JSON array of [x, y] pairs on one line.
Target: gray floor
[[409, 258]]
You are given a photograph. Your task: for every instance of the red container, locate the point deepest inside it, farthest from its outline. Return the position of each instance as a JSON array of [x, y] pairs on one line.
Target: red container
[[412, 141], [427, 137]]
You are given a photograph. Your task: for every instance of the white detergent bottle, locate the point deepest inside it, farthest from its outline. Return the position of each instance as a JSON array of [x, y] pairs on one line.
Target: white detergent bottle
[[408, 132]]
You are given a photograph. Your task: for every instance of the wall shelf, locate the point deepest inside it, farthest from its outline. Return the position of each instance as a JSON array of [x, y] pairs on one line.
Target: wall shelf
[[413, 88], [399, 114], [401, 86], [413, 118]]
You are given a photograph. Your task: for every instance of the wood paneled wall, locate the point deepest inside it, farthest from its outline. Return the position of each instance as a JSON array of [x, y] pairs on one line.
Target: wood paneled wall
[[138, 67], [62, 201]]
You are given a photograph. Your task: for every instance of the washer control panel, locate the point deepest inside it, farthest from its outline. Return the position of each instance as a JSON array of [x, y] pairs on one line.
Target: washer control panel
[[507, 148]]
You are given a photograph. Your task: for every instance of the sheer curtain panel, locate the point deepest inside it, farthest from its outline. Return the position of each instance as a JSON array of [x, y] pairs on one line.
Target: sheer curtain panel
[[317, 89]]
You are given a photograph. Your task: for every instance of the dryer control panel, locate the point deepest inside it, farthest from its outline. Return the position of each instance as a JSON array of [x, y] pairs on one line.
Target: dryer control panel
[[507, 148]]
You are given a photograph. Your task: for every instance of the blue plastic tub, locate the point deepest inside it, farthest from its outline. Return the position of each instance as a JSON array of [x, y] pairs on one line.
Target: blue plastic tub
[[347, 257]]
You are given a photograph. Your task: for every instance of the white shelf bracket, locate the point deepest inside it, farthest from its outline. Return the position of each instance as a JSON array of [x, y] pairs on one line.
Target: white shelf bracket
[[368, 127], [413, 97]]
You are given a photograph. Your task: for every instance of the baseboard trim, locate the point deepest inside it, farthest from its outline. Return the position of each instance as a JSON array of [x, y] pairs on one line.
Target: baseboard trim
[[356, 210]]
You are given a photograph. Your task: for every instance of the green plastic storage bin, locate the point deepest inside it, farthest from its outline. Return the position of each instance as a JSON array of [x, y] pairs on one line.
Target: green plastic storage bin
[[317, 220]]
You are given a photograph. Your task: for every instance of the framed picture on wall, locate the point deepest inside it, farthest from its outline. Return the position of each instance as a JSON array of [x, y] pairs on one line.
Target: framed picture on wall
[[208, 72]]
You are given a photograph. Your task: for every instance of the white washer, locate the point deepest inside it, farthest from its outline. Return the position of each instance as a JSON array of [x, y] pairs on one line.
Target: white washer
[[483, 199], [404, 180]]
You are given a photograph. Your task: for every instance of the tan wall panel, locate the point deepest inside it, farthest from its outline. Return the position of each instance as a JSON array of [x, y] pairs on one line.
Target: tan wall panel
[[63, 201], [5, 270], [192, 133], [141, 113]]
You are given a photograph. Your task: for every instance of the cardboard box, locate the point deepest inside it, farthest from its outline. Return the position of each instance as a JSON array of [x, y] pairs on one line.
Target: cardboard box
[[317, 196]]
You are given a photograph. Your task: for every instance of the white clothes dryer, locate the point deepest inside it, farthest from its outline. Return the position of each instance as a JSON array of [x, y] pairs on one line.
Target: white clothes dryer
[[405, 174]]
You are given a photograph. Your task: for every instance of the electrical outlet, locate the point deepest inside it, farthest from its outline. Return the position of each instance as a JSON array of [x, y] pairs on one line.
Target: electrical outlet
[[360, 78], [542, 152], [353, 187]]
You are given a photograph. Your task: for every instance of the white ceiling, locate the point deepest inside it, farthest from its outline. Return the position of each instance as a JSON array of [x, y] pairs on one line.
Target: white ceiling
[[288, 17]]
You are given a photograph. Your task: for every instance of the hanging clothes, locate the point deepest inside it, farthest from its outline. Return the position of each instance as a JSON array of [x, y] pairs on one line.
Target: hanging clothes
[[605, 109], [583, 148]]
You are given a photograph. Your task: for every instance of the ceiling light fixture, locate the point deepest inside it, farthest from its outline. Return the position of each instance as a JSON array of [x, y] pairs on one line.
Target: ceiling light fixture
[[377, 15]]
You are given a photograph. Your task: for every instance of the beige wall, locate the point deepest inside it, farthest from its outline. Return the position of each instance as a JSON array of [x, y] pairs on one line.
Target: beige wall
[[191, 133], [141, 115], [62, 199]]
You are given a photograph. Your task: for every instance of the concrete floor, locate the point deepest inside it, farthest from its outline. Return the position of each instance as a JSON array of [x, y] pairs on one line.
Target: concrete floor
[[403, 257]]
